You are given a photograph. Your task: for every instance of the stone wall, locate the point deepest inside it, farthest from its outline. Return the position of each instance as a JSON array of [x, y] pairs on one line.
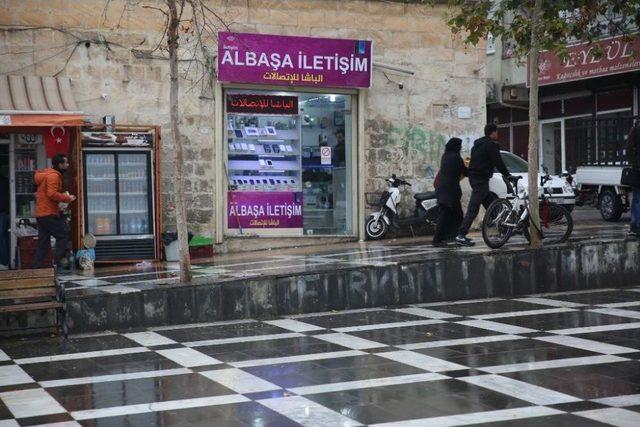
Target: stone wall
[[408, 119]]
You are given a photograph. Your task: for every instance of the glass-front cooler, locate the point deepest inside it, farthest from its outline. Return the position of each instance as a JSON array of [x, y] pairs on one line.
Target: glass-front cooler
[[119, 203]]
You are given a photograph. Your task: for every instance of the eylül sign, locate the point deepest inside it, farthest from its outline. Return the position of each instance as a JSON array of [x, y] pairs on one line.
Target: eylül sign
[[619, 55]]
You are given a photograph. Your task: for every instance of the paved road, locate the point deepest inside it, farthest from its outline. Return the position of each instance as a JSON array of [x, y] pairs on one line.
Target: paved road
[[567, 359]]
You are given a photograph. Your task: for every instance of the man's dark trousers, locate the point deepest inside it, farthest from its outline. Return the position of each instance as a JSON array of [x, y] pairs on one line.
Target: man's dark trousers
[[56, 226], [480, 195]]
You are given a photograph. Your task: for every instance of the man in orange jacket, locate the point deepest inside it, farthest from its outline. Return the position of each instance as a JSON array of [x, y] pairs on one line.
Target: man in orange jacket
[[50, 222]]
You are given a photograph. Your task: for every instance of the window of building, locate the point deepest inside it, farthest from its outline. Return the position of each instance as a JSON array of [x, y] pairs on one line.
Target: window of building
[[576, 106], [289, 163], [491, 44], [521, 141], [615, 99], [550, 109]]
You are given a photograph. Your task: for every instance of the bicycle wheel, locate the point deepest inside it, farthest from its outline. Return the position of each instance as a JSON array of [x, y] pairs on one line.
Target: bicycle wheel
[[556, 224], [494, 231]]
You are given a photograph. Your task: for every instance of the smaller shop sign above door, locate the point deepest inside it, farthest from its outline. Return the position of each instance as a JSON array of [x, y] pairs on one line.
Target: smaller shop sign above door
[[294, 61], [262, 104]]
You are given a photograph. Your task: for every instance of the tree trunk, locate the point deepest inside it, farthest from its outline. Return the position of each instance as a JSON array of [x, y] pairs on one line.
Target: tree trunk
[[534, 57], [181, 210]]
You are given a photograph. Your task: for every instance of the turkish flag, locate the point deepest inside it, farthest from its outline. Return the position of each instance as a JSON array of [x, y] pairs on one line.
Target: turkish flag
[[56, 140]]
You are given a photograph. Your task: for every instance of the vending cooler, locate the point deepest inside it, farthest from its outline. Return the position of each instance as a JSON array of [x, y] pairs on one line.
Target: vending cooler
[[120, 195]]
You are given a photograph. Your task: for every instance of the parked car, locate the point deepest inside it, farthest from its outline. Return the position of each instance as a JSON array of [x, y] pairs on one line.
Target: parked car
[[561, 189]]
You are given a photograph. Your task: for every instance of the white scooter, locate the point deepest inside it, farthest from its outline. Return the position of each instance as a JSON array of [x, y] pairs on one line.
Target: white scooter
[[378, 223]]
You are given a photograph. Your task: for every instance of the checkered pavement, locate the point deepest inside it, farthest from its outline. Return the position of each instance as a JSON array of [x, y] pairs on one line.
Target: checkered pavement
[[564, 359]]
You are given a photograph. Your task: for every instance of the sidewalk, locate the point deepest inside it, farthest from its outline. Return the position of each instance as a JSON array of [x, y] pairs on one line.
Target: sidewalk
[[307, 260]]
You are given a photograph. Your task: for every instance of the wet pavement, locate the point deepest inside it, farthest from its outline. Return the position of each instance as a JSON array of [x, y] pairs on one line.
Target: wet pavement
[[309, 260], [563, 359]]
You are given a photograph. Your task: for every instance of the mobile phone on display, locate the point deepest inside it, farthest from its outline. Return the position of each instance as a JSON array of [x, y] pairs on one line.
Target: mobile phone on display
[[269, 163], [271, 181], [267, 148], [276, 148]]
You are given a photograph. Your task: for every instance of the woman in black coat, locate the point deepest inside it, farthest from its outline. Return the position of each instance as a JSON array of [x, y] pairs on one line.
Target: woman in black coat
[[449, 193]]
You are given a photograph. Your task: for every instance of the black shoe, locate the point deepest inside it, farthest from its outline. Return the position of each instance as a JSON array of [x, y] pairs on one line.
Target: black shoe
[[464, 241], [634, 233]]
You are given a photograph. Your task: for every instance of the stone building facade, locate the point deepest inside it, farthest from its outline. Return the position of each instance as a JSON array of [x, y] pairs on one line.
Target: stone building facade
[[406, 118]]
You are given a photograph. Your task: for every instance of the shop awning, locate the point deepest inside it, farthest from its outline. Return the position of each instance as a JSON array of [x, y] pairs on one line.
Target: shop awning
[[37, 101]]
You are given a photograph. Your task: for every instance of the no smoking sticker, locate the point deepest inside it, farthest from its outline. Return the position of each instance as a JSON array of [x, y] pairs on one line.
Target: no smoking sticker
[[325, 155]]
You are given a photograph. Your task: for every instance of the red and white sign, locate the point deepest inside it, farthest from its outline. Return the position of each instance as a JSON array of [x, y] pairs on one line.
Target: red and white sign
[[325, 155], [619, 55]]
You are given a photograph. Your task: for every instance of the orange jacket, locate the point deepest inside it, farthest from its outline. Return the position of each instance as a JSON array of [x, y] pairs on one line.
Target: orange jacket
[[49, 194]]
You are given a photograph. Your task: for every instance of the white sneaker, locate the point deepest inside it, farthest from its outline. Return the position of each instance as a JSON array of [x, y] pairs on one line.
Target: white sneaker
[[4, 267]]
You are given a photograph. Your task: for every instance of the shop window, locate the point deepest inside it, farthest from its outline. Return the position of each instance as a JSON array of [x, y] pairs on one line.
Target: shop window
[[615, 99], [551, 109], [519, 115], [521, 141], [289, 163], [504, 139], [576, 106]]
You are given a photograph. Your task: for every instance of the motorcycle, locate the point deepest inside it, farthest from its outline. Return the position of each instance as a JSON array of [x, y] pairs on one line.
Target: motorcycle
[[379, 223]]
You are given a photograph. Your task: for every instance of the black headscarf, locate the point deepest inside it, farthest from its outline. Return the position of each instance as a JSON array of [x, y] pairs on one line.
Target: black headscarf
[[453, 145]]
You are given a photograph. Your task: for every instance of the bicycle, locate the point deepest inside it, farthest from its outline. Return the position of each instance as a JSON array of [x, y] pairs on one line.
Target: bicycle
[[505, 218]]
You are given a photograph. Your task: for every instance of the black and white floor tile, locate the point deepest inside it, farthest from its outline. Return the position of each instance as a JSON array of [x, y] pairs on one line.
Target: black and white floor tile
[[563, 359]]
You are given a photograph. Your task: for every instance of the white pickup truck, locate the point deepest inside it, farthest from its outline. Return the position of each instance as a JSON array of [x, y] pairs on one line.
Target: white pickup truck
[[600, 186], [598, 147]]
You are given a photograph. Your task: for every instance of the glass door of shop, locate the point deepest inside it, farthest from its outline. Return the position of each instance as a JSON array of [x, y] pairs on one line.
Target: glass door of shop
[[326, 163], [133, 192], [101, 205], [118, 197], [552, 147]]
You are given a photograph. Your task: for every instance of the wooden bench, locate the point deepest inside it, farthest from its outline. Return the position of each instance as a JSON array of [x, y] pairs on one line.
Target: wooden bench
[[34, 290]]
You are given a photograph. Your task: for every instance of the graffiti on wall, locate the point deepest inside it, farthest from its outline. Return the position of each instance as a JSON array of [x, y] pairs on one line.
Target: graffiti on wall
[[429, 142], [414, 138]]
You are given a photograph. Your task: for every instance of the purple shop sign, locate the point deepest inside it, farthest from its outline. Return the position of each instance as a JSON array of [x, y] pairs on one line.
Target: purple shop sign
[[264, 210], [293, 61]]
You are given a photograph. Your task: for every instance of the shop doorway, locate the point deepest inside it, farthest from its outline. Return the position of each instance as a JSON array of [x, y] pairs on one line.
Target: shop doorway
[[326, 134], [552, 146]]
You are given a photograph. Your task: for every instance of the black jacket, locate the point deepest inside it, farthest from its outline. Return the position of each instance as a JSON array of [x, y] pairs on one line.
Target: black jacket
[[485, 158], [451, 169]]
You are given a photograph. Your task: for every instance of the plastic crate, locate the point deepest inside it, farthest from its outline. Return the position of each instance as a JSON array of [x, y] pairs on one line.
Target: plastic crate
[[204, 251], [27, 247]]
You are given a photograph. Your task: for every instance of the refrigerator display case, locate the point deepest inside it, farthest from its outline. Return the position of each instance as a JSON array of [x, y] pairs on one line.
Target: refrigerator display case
[[121, 194], [26, 155]]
